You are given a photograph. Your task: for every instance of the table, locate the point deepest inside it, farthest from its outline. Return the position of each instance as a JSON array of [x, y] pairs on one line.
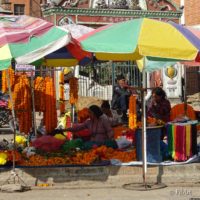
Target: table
[[153, 144], [182, 140]]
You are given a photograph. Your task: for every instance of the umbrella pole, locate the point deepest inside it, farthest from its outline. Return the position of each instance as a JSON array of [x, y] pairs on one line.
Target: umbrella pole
[[144, 129], [72, 114], [185, 95], [13, 175], [13, 117], [33, 105]]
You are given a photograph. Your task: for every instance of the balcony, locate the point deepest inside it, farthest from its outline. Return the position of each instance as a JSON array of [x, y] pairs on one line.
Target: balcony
[[6, 5], [5, 1]]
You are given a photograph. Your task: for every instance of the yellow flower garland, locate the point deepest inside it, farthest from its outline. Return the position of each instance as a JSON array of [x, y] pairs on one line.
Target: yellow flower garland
[[132, 112]]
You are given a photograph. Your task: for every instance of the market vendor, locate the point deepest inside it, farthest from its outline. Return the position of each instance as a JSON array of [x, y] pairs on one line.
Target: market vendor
[[159, 106], [113, 116], [120, 99], [98, 124]]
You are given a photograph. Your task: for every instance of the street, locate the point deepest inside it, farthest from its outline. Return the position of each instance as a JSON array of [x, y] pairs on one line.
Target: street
[[171, 193]]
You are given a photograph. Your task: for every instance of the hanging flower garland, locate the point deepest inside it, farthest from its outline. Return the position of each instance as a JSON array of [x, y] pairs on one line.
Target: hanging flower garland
[[22, 103], [39, 94], [11, 75], [73, 90], [62, 101], [50, 113], [132, 112]]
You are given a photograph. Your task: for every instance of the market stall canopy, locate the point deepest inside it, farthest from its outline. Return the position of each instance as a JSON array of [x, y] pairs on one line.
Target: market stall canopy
[[134, 39], [72, 54], [27, 39], [153, 65], [156, 63], [196, 31]]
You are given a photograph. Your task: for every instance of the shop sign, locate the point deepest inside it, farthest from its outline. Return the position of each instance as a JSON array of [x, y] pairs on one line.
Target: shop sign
[[29, 70], [172, 84]]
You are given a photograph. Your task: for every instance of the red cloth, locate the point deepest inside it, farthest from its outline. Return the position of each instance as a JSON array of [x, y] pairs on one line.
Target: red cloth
[[48, 143], [76, 51], [82, 133], [180, 144]]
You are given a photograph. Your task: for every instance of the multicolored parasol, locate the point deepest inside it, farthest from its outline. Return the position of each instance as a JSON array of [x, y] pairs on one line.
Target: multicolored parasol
[[142, 38], [134, 39], [27, 39], [72, 54]]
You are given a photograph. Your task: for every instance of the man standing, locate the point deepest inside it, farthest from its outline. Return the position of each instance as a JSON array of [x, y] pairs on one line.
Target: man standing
[[120, 97]]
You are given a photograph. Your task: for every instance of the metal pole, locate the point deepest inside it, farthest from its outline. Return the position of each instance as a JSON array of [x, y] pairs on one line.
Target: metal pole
[[72, 114], [113, 74], [185, 89], [73, 109], [144, 129], [33, 104], [14, 120]]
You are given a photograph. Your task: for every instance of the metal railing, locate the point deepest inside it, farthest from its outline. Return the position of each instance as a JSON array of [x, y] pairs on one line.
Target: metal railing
[[99, 78]]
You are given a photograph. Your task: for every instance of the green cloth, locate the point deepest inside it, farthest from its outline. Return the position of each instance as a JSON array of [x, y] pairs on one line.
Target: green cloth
[[173, 140], [72, 144], [170, 139]]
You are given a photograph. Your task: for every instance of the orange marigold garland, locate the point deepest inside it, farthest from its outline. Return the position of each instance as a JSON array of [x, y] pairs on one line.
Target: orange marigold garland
[[132, 112], [11, 76], [4, 81], [22, 103], [39, 94], [50, 113], [73, 90], [81, 157], [62, 100]]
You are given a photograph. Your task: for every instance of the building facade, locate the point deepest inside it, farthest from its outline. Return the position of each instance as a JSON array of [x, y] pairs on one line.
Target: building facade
[[191, 17], [22, 7], [100, 12], [191, 11]]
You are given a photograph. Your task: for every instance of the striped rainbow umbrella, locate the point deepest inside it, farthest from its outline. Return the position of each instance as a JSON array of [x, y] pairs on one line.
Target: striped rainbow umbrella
[[142, 38], [72, 54], [152, 64], [137, 38], [27, 39]]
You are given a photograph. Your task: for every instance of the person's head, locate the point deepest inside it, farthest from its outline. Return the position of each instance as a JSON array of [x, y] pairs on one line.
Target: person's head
[[121, 80], [105, 106], [158, 94], [95, 111]]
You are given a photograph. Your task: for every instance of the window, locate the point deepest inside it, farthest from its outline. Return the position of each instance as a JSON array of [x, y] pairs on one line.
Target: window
[[19, 9]]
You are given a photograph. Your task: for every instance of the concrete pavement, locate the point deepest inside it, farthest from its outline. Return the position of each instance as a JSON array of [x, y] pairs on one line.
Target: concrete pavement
[[169, 193]]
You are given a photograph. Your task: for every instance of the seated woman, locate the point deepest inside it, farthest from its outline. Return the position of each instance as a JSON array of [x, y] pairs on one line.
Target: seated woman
[[159, 106], [98, 124], [113, 116]]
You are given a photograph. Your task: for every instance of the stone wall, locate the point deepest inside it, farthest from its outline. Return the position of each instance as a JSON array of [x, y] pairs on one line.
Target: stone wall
[[192, 8]]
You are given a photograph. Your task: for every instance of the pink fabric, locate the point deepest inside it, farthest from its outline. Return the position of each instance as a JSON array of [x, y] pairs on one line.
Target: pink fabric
[[85, 36], [3, 103], [19, 29], [100, 129], [48, 143]]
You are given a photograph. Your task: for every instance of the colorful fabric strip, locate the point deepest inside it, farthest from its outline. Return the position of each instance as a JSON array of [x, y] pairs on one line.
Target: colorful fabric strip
[[188, 141]]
